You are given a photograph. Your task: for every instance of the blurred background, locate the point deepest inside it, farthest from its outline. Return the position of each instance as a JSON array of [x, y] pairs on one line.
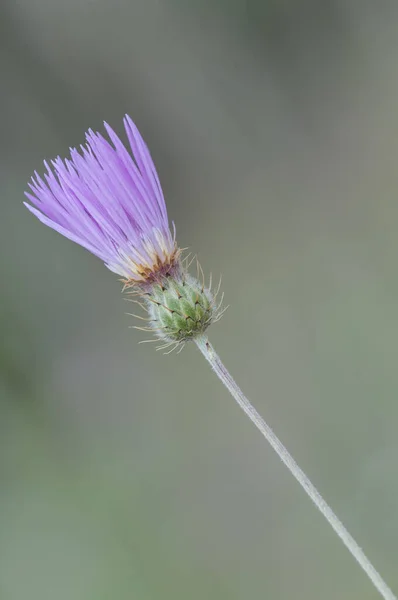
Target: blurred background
[[128, 474]]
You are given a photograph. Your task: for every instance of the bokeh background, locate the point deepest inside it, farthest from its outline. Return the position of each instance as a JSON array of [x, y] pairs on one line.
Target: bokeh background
[[129, 474]]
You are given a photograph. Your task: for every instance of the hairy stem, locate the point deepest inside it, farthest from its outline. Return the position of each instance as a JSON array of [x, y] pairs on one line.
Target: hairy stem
[[211, 356]]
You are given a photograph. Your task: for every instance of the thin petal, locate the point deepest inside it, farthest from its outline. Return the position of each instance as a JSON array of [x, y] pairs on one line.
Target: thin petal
[[109, 202]]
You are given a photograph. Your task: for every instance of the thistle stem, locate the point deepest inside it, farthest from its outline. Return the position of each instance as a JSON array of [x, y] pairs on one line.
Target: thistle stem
[[212, 357]]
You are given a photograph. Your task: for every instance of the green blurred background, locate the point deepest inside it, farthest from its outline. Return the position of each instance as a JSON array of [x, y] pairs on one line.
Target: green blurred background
[[128, 474]]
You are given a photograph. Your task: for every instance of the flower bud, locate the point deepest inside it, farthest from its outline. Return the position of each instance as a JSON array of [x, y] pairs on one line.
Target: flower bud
[[180, 309]]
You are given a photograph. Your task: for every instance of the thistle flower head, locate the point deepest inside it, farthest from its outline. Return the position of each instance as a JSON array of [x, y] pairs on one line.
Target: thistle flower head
[[110, 202]]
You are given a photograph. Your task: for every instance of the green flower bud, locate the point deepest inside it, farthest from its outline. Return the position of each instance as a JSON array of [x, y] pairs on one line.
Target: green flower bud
[[180, 309]]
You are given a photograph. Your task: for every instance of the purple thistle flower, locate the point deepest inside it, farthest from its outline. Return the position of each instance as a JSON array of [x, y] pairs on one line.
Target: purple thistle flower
[[112, 206], [111, 203]]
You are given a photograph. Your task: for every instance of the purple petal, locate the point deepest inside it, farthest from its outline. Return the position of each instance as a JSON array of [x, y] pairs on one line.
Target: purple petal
[[106, 200]]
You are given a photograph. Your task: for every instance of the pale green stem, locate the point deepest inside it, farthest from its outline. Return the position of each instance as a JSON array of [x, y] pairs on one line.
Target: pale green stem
[[209, 353]]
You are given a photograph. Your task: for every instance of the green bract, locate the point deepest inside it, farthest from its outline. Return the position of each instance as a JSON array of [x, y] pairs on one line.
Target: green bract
[[180, 310]]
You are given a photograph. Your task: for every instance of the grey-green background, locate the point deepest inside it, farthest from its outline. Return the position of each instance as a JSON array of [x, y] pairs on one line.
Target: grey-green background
[[126, 474]]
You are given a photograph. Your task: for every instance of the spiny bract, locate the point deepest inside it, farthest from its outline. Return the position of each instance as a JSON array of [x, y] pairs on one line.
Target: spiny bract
[[179, 309]]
